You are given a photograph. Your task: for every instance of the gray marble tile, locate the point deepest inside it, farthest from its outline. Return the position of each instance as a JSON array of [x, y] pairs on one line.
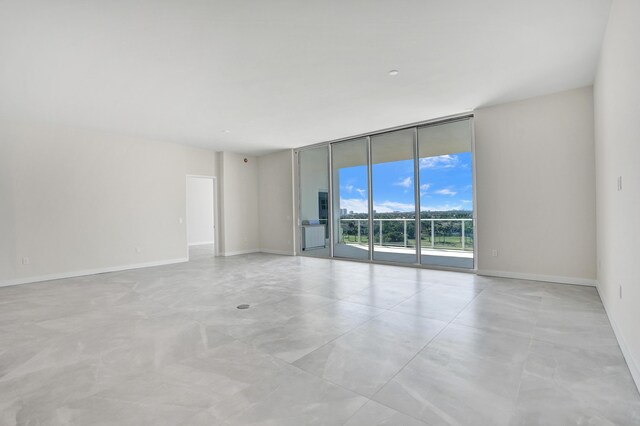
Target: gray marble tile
[[336, 288], [563, 385], [228, 369], [374, 414], [228, 295], [305, 399], [154, 389], [455, 279], [15, 315], [246, 324], [347, 314], [98, 411], [293, 327], [34, 398], [222, 382], [367, 357], [21, 345], [503, 312], [239, 323], [294, 338], [166, 345], [465, 376], [581, 295], [121, 350], [575, 326], [383, 296], [237, 400], [438, 301], [104, 317]]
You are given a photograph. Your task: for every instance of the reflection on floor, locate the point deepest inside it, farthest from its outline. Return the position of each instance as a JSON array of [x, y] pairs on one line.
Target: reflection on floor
[[317, 252], [323, 342]]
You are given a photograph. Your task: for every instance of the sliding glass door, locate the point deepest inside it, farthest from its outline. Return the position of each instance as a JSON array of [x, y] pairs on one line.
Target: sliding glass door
[[349, 172], [394, 207], [403, 196], [446, 194]]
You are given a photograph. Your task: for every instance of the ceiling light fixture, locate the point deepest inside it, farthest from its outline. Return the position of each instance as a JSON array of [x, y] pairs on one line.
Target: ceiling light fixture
[[394, 72], [226, 131]]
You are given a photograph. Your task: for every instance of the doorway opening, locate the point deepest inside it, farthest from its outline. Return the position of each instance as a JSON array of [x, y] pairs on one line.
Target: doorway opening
[[201, 217]]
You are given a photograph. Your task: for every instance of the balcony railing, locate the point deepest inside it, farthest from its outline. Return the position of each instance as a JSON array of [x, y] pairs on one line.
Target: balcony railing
[[447, 233]]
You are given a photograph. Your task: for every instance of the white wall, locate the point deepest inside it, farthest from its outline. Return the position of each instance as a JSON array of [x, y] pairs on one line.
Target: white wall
[[73, 201], [200, 215], [275, 175], [617, 109], [238, 198], [535, 188]]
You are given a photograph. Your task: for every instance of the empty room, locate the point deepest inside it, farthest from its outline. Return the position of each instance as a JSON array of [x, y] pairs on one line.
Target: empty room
[[407, 213]]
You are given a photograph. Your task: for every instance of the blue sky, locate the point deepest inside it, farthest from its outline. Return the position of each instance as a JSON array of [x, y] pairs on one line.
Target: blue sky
[[445, 184]]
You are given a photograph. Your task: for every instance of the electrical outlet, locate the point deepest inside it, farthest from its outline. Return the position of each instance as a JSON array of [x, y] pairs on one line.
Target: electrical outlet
[[494, 253], [25, 260], [619, 183]]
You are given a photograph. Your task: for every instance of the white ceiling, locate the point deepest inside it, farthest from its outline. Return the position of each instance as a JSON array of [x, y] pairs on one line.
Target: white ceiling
[[282, 74]]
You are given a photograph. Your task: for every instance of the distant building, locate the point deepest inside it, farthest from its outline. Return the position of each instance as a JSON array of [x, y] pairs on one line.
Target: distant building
[[343, 212]]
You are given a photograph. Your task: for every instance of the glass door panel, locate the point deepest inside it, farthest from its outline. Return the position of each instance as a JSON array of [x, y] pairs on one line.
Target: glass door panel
[[446, 194], [350, 199], [313, 167], [393, 189]]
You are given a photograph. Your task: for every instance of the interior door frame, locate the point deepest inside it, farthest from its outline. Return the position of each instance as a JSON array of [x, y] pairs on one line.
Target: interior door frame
[[216, 214]]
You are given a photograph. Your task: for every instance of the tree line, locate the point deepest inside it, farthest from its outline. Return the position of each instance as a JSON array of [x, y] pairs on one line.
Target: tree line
[[445, 233]]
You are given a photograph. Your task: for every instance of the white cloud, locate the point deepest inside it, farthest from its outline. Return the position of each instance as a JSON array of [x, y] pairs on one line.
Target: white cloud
[[392, 206], [446, 191], [362, 206], [355, 205], [439, 162], [424, 188], [466, 201], [349, 188], [362, 192], [405, 183], [442, 207]]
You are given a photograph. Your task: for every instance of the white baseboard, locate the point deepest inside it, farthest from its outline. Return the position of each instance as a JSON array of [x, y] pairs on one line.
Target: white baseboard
[[235, 253], [281, 252], [536, 277], [84, 272], [631, 363]]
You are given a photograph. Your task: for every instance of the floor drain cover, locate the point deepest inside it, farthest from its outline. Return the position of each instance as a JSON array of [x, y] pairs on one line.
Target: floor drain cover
[[244, 306]]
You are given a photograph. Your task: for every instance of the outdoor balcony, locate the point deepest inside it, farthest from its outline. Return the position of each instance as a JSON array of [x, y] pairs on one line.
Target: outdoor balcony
[[444, 241]]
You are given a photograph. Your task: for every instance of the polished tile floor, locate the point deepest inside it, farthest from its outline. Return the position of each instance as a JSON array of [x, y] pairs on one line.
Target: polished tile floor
[[324, 342]]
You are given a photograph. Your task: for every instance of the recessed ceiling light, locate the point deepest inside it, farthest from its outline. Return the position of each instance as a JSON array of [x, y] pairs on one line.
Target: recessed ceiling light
[[394, 72], [226, 131]]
